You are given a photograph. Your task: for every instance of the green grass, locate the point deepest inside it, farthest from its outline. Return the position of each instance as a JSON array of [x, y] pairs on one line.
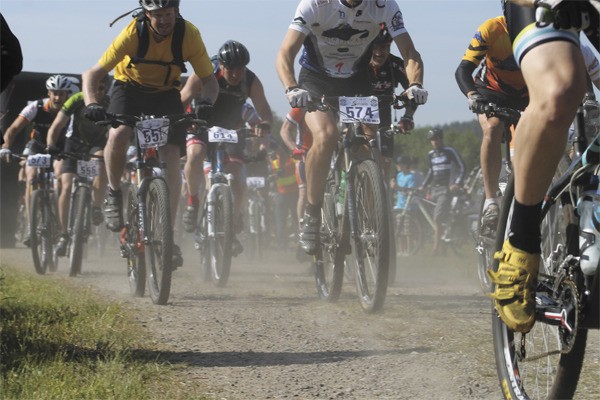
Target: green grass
[[65, 343]]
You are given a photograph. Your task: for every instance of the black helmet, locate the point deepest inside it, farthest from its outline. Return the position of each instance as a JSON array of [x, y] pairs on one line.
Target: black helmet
[[435, 133], [383, 37], [233, 54], [151, 5]]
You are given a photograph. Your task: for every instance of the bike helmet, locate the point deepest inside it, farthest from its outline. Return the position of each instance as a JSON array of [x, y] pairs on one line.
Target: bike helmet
[[59, 82], [151, 5], [383, 37], [233, 54], [435, 133]]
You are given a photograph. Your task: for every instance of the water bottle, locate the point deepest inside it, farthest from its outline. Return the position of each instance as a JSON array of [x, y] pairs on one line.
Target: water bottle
[[589, 232]]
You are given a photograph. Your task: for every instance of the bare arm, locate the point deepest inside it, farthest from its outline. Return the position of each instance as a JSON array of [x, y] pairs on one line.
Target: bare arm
[[207, 86], [292, 42], [60, 121], [412, 59], [91, 80], [288, 134], [18, 124], [259, 100]]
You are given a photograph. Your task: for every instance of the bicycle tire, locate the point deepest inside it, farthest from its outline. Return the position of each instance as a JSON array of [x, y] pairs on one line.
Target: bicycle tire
[[38, 231], [552, 376], [370, 251], [330, 259], [409, 235], [81, 203], [158, 252], [136, 266], [485, 247], [203, 246], [219, 245]]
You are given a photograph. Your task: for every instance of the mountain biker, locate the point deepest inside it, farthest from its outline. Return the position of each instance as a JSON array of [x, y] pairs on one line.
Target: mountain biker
[[41, 113], [336, 36], [445, 175], [149, 86], [555, 89], [85, 137], [500, 81], [237, 83]]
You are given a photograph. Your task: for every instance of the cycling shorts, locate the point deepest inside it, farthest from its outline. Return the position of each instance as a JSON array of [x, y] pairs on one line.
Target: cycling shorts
[[131, 99], [319, 84], [441, 196], [525, 34], [386, 143], [503, 100], [69, 166]]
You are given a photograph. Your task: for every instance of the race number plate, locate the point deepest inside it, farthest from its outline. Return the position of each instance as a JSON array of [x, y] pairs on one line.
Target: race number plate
[[39, 160], [255, 182], [364, 109], [88, 169], [217, 134], [152, 132]]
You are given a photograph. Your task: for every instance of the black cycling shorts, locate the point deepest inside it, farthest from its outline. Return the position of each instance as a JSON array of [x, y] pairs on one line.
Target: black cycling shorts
[[69, 166], [502, 99], [131, 99], [319, 84]]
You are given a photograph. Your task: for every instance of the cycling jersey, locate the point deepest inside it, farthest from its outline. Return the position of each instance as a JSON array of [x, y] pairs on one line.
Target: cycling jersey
[[591, 62], [338, 35], [41, 115], [383, 82], [440, 171], [80, 128], [154, 76], [491, 47]]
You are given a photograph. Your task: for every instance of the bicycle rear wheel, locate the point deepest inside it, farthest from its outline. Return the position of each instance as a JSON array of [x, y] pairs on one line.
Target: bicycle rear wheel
[[41, 247], [536, 365], [409, 234], [329, 260], [219, 245], [371, 242], [136, 266], [485, 252], [81, 207], [158, 252]]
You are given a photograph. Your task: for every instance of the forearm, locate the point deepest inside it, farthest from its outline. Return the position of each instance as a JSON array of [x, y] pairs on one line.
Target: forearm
[[464, 77], [414, 68]]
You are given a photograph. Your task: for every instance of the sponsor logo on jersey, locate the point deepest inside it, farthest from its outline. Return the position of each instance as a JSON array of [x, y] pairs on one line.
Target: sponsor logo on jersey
[[321, 3], [345, 32], [397, 22], [299, 21]]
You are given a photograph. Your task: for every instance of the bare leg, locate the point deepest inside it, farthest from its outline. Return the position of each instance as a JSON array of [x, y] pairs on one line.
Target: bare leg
[[64, 200], [491, 153], [115, 154]]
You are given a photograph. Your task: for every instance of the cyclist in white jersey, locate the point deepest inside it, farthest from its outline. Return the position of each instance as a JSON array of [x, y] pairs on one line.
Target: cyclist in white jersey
[[336, 35]]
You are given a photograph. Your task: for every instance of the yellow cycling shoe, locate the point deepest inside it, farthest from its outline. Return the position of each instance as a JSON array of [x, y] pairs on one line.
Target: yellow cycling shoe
[[516, 279]]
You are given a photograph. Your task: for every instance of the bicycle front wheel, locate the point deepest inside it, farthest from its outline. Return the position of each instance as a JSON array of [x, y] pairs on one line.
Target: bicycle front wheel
[[371, 242], [81, 207], [219, 243], [41, 246], [536, 365], [131, 245], [485, 252], [158, 252], [329, 260]]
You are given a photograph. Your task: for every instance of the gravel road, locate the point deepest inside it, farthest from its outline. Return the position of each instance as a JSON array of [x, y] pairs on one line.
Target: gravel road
[[266, 335]]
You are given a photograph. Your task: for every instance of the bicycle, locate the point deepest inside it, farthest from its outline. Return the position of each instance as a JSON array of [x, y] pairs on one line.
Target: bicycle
[[214, 234], [256, 209], [547, 361], [354, 214], [80, 208], [146, 240], [485, 241], [43, 219]]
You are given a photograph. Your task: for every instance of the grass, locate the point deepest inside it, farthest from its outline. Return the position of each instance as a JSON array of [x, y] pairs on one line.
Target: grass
[[64, 343]]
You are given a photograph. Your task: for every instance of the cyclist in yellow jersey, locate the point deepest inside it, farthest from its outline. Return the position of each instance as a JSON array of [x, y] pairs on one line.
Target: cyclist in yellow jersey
[[499, 80], [552, 64], [148, 84]]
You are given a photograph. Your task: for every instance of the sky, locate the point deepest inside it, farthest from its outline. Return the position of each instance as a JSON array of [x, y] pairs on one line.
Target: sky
[[69, 36]]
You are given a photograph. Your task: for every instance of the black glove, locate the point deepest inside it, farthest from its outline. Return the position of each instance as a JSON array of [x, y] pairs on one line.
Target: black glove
[[564, 14], [203, 110], [95, 112], [477, 103], [53, 149]]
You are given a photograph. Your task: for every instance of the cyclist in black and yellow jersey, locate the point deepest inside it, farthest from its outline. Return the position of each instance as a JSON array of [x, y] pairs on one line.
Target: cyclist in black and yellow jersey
[[83, 136], [149, 83], [550, 58], [498, 80]]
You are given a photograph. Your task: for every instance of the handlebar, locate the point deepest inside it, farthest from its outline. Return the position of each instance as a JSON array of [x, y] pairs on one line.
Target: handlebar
[[116, 120], [506, 114], [325, 103]]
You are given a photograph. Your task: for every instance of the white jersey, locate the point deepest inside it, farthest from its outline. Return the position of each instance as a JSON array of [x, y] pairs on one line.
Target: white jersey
[[338, 36], [591, 62]]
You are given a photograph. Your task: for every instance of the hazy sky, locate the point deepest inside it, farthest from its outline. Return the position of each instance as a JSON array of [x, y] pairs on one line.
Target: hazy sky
[[70, 36]]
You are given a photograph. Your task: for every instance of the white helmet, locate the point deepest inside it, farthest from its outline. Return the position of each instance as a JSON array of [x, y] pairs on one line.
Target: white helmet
[[151, 5], [59, 82]]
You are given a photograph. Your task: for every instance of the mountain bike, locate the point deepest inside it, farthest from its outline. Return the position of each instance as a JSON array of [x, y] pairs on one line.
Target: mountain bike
[[80, 207], [214, 234], [547, 361], [257, 228], [44, 226], [486, 234], [355, 210], [147, 238]]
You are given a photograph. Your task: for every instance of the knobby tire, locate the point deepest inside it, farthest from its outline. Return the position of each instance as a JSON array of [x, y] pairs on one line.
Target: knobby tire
[[136, 267], [220, 245], [81, 204]]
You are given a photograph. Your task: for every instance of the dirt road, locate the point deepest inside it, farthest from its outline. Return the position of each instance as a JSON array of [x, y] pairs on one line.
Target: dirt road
[[266, 335]]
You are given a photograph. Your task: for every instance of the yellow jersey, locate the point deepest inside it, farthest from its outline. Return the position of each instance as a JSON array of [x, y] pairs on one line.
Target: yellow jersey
[[491, 45], [153, 76]]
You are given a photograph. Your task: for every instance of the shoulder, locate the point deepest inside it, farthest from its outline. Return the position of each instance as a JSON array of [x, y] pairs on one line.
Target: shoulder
[[73, 102]]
